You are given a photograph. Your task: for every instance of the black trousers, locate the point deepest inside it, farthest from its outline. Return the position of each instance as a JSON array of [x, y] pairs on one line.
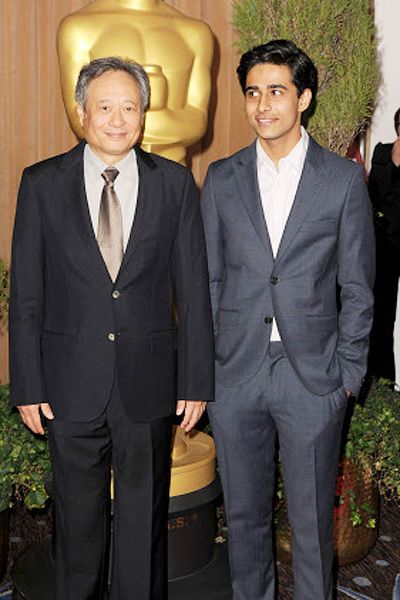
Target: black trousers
[[381, 356], [82, 454]]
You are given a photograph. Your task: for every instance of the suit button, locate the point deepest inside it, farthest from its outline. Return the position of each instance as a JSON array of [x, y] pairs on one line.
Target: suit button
[[268, 320], [274, 279], [111, 337], [116, 294]]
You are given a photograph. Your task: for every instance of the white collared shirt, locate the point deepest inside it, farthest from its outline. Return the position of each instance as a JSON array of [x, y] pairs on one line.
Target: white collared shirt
[[126, 187], [278, 187]]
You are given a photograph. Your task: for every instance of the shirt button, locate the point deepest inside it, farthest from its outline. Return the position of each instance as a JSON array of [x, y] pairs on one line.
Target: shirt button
[[116, 294], [111, 337], [268, 320], [274, 279]]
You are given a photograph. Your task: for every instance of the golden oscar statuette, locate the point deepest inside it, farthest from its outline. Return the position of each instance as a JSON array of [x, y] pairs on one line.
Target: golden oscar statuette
[[175, 50]]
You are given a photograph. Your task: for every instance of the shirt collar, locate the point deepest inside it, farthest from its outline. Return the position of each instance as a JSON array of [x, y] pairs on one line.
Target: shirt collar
[[294, 160], [95, 167]]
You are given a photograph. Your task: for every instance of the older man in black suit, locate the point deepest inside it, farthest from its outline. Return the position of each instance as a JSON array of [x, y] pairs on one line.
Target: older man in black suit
[[106, 237]]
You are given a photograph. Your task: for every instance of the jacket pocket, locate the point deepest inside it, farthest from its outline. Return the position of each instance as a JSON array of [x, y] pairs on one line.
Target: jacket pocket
[[52, 341], [227, 317]]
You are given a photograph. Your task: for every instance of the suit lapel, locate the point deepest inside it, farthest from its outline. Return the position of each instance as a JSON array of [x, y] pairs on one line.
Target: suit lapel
[[247, 181], [75, 196], [306, 195], [150, 184], [149, 187]]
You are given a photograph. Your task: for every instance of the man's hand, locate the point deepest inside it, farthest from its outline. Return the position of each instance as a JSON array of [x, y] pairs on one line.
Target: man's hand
[[192, 410], [30, 414], [396, 152]]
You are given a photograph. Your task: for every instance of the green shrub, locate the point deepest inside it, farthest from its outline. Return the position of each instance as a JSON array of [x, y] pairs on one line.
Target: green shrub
[[24, 459], [374, 437], [339, 37]]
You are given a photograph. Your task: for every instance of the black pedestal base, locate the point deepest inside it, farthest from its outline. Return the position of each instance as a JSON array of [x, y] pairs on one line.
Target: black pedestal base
[[34, 573], [33, 577], [191, 550], [192, 525], [211, 583]]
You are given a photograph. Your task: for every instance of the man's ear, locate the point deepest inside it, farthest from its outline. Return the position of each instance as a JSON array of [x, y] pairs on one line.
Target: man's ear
[[81, 114], [305, 100]]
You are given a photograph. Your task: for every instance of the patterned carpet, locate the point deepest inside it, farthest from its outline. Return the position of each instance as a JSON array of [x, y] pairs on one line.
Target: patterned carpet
[[374, 578]]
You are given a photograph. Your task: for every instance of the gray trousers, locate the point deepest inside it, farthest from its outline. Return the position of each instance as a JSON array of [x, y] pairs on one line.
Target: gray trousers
[[245, 421]]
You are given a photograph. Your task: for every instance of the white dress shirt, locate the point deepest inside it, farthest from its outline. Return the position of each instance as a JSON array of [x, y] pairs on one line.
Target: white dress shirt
[[278, 187], [126, 187]]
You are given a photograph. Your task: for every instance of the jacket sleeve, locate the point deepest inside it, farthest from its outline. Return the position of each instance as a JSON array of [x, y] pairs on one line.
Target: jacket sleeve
[[356, 275], [214, 241], [195, 336], [26, 299]]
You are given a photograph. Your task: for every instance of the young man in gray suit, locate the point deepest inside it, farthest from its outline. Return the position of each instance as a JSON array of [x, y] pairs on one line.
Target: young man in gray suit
[[288, 224]]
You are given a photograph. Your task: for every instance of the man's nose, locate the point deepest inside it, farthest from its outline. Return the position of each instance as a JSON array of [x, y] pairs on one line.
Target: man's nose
[[117, 117], [264, 103]]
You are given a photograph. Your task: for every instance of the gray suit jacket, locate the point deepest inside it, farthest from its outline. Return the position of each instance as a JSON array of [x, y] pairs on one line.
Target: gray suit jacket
[[319, 286]]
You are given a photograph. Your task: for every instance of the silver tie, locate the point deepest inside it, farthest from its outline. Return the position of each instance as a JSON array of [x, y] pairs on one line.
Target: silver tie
[[109, 231]]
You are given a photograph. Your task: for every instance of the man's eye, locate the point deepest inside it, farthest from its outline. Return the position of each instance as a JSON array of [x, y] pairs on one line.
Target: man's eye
[[276, 92], [104, 107], [252, 93]]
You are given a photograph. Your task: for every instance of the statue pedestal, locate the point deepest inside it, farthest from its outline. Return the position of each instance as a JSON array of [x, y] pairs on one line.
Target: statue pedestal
[[191, 522], [193, 492], [213, 581]]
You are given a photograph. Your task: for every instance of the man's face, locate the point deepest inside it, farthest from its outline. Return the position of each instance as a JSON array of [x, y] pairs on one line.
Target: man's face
[[112, 120], [273, 108]]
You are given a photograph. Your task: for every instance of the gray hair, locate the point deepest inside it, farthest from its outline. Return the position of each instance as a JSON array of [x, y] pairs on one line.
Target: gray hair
[[99, 66]]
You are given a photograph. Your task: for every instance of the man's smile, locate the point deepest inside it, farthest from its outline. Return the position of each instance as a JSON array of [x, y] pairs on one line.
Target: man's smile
[[266, 120], [116, 134]]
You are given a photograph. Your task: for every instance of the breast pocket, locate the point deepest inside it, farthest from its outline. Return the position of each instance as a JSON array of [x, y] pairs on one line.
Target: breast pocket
[[319, 226]]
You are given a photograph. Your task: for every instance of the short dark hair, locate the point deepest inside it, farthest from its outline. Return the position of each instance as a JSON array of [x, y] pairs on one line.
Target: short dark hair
[[99, 66], [281, 52], [397, 120]]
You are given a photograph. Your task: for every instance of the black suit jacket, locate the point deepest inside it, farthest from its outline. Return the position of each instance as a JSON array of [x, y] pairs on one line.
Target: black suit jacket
[[384, 189], [72, 329]]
